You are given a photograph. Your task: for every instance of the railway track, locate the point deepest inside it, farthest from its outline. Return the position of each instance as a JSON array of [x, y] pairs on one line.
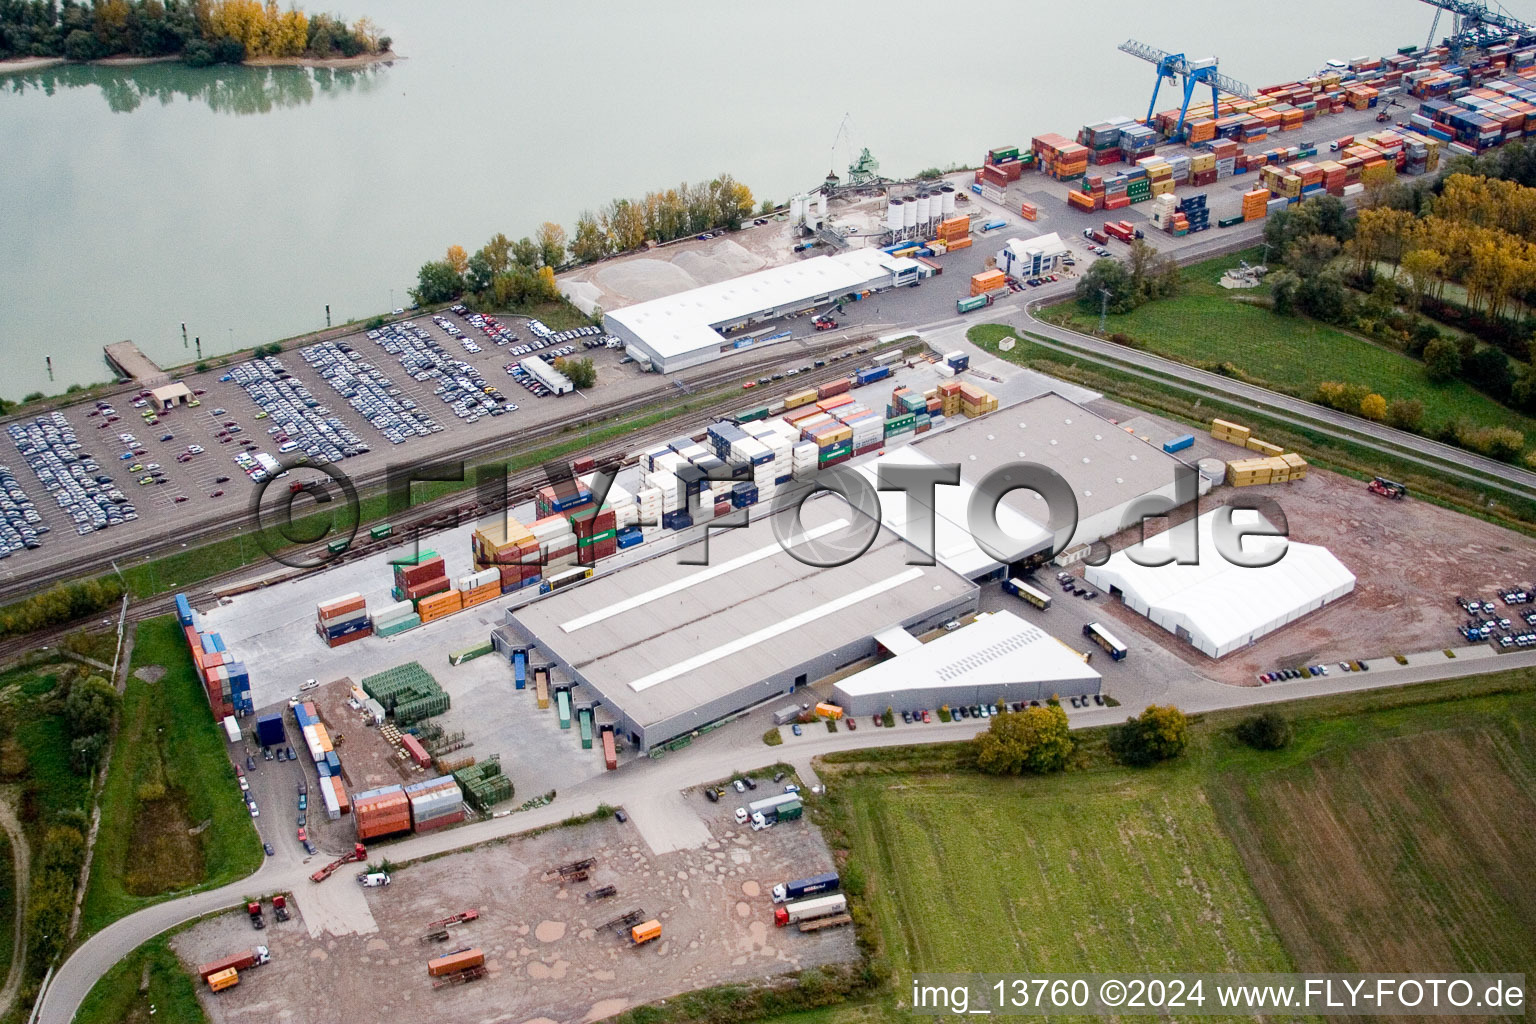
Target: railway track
[[430, 517], [479, 450]]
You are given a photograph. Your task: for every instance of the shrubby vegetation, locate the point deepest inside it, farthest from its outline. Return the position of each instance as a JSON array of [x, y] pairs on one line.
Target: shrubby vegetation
[[1160, 733], [504, 273], [202, 32], [1267, 730], [1147, 275], [1036, 740], [61, 603]]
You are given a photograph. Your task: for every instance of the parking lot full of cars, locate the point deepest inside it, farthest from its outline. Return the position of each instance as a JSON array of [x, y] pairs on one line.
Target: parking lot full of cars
[[83, 490], [375, 396]]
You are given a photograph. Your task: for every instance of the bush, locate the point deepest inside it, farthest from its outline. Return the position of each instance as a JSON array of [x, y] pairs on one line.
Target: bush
[[1442, 360], [1405, 414], [1035, 740], [890, 718], [1373, 407], [1268, 730], [1488, 370], [1159, 733], [1344, 397], [374, 323], [773, 737]]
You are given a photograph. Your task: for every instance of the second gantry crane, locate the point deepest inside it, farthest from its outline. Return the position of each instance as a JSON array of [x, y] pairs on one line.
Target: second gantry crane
[[1194, 72]]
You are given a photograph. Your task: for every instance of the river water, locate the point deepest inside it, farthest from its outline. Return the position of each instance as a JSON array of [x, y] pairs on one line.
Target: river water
[[241, 201]]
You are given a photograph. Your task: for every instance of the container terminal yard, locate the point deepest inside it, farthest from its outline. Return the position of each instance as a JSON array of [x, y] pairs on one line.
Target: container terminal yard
[[424, 694]]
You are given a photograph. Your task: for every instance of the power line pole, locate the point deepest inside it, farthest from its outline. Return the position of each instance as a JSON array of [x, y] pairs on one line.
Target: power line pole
[[1103, 308]]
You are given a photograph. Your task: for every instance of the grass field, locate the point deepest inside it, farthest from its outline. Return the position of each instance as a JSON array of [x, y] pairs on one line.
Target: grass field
[[1391, 835], [54, 785], [171, 994], [1207, 324], [169, 773]]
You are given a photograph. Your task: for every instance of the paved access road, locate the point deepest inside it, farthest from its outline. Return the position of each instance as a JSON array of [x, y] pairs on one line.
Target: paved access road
[[1446, 458], [715, 756]]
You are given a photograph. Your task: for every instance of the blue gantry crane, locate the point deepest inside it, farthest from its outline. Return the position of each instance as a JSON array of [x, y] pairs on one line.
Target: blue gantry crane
[[1194, 72], [1476, 24]]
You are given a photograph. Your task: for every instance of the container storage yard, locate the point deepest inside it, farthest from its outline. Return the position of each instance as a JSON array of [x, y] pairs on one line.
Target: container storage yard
[[545, 949]]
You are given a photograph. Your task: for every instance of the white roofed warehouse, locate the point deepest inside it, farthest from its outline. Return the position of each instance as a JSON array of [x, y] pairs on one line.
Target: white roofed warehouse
[[1216, 605], [693, 327], [997, 657]]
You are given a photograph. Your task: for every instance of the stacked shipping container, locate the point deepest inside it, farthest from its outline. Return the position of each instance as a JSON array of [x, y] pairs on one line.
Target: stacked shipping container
[[342, 620], [225, 680]]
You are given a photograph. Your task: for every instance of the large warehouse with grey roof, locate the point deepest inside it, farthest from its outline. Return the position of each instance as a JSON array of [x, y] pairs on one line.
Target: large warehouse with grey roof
[[664, 648]]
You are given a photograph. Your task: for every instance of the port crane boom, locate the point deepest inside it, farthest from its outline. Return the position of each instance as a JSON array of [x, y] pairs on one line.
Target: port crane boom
[[1194, 71], [1476, 24]]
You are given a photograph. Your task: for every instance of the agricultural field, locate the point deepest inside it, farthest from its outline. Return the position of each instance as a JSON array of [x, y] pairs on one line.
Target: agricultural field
[[169, 773], [1402, 850], [1206, 324], [1391, 834]]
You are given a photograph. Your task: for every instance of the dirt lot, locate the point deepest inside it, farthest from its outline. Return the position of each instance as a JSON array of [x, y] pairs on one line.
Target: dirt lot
[[690, 263], [547, 953], [1410, 559]]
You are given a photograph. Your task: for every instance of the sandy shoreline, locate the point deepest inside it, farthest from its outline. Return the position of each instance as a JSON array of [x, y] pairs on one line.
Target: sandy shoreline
[[18, 65]]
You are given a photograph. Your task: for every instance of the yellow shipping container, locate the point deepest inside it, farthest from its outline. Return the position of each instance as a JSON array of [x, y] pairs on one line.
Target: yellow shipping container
[[1230, 428], [1263, 447]]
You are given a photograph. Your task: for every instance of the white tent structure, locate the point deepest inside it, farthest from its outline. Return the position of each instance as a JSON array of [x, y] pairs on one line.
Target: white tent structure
[[1216, 605]]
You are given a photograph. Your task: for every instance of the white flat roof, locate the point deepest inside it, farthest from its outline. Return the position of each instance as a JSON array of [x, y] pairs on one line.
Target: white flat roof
[[1221, 605], [1047, 243], [997, 648], [954, 545], [676, 324]]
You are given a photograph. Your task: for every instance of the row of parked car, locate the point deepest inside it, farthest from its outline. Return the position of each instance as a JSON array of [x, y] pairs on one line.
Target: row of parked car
[[392, 412], [20, 521], [80, 487], [1487, 624], [460, 384], [451, 329], [299, 422]]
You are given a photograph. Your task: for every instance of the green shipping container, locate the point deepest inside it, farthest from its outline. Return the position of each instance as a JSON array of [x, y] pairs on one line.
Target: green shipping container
[[585, 542], [563, 704], [381, 531], [416, 559], [585, 719], [748, 415], [336, 547], [791, 810]]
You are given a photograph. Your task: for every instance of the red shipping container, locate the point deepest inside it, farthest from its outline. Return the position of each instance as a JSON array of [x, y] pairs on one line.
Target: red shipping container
[[427, 588], [439, 822], [342, 641]]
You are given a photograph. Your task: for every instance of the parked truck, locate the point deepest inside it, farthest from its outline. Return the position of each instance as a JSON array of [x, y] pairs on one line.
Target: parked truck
[[789, 713], [973, 302], [771, 803], [809, 910], [453, 963], [253, 957], [645, 931], [610, 750], [824, 882], [224, 979]]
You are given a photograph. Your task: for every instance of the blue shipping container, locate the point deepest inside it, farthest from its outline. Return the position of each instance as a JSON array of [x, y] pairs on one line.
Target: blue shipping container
[[333, 762], [269, 730], [183, 610], [629, 540], [1178, 444], [218, 642]]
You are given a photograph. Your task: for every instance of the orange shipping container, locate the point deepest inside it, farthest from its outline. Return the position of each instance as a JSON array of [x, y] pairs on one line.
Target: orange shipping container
[[836, 401], [988, 280], [455, 962]]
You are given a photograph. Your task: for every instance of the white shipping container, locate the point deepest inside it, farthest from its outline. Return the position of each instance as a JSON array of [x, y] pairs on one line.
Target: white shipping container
[[483, 578], [232, 729], [397, 610], [328, 797]]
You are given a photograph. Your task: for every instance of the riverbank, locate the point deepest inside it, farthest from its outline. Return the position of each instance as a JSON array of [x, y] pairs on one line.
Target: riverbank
[[19, 65]]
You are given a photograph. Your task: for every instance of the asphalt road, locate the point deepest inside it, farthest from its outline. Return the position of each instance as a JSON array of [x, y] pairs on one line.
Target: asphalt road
[[1487, 472], [715, 756]]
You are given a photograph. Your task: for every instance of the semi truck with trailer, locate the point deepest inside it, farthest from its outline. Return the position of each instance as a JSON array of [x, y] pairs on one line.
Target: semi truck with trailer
[[810, 910], [253, 957], [824, 882]]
